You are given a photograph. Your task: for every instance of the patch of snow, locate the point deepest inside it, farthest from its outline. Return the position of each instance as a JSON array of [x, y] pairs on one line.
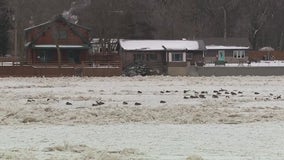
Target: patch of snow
[[252, 64], [215, 47]]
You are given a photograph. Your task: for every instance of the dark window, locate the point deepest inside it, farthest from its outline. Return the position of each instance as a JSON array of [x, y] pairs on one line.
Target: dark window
[[73, 57], [177, 57], [62, 35], [43, 56], [138, 57], [152, 57]]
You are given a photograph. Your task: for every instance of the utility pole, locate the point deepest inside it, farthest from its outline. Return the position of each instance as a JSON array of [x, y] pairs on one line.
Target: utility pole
[[55, 38], [15, 35], [58, 53], [225, 22]]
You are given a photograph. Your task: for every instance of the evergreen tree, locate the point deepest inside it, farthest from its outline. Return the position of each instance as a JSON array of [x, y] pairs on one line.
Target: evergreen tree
[[4, 27]]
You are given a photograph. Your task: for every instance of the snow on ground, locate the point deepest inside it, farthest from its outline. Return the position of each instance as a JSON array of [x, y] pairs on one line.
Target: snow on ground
[[275, 63], [150, 118]]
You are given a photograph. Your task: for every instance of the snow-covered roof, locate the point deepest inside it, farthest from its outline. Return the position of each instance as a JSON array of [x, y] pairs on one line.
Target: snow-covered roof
[[42, 24], [158, 45], [215, 47]]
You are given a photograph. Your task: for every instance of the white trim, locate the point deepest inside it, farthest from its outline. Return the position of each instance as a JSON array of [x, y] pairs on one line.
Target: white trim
[[60, 46], [214, 47], [239, 54], [184, 57], [170, 57]]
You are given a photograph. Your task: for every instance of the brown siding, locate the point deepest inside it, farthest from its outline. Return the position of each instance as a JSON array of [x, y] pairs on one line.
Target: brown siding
[[260, 55], [48, 36]]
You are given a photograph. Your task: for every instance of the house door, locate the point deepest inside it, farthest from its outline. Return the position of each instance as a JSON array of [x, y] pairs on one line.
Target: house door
[[221, 55]]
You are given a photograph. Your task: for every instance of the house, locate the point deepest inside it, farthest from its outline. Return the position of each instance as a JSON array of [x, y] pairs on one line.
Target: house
[[229, 50], [57, 42], [160, 55]]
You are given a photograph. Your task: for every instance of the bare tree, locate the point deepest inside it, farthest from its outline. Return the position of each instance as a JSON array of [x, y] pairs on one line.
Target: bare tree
[[260, 11], [4, 28], [160, 19], [221, 12]]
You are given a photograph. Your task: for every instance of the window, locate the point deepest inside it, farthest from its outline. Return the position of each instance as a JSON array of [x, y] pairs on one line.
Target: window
[[42, 56], [152, 57], [61, 34], [73, 57], [177, 57], [239, 54], [138, 57]]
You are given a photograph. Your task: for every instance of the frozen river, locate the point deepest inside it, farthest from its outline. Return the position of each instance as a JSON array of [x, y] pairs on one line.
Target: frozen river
[[262, 141], [142, 118]]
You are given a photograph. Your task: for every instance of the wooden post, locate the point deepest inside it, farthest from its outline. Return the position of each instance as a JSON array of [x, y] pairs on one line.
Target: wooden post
[[225, 22], [56, 37], [58, 54]]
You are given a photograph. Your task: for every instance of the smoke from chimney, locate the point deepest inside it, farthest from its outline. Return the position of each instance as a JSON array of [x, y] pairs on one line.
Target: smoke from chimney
[[75, 7]]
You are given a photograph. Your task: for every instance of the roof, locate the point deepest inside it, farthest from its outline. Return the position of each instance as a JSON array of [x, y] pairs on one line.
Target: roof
[[213, 47], [160, 45], [48, 25], [228, 43], [42, 24], [57, 18]]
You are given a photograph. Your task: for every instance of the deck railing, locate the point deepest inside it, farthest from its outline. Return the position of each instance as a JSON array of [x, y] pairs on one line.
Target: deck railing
[[102, 64], [90, 64]]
